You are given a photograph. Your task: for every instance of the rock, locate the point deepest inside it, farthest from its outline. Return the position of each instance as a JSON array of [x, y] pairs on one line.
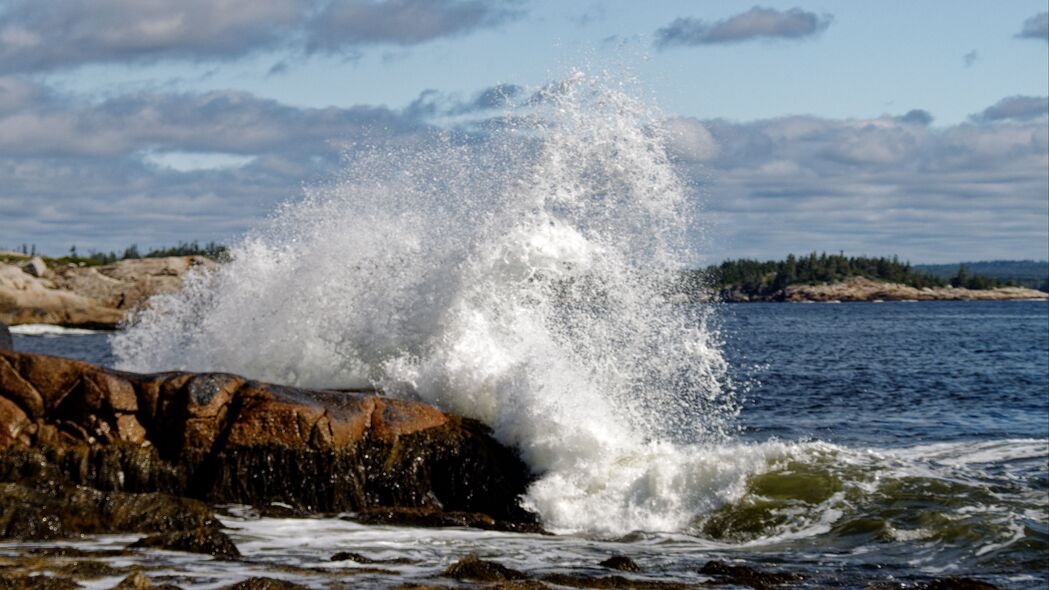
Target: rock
[[863, 289], [472, 567], [955, 583], [358, 558], [265, 584], [35, 266], [89, 570], [223, 439], [745, 576], [429, 517], [136, 581], [37, 582], [49, 510], [209, 541], [621, 563], [616, 582], [88, 297], [6, 342]]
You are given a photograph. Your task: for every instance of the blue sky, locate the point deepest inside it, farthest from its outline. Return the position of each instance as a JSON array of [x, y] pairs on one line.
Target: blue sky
[[154, 121]]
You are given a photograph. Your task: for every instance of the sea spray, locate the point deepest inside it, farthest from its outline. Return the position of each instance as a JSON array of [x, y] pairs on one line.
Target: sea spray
[[522, 274]]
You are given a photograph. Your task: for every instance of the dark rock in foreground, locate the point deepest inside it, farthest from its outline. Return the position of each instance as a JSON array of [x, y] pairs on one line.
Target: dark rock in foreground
[[69, 429], [208, 541], [472, 567], [621, 563], [742, 575]]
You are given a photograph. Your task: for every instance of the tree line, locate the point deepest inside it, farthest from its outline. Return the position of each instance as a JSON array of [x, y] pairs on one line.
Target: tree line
[[755, 277], [212, 250]]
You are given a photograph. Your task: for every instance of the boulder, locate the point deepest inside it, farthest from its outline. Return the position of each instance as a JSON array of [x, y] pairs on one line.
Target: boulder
[[35, 266], [208, 541], [221, 438], [6, 342]]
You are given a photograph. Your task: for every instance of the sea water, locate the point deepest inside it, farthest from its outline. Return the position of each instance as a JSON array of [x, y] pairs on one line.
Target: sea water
[[879, 440], [524, 271]]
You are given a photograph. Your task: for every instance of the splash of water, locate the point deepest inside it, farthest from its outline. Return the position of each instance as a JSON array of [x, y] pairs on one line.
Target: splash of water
[[520, 276]]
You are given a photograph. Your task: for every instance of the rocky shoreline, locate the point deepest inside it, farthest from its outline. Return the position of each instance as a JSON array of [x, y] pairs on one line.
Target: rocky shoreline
[[101, 297], [87, 296], [862, 289], [165, 460]]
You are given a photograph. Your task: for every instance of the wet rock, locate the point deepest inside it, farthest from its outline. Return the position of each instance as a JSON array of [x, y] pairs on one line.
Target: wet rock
[[209, 541], [65, 551], [358, 558], [621, 563], [614, 582], [55, 511], [264, 584], [955, 583], [428, 517], [6, 341], [136, 581], [223, 439], [89, 570], [474, 568], [37, 582], [724, 572]]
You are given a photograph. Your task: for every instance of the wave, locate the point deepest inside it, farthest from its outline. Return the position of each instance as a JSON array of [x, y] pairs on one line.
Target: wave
[[523, 274]]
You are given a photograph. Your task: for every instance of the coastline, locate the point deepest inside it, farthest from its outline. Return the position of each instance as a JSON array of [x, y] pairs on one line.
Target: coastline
[[861, 289], [99, 298], [90, 297]]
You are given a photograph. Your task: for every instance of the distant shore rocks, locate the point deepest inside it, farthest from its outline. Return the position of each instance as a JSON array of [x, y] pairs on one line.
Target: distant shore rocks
[[81, 439], [864, 289], [6, 342], [86, 297]]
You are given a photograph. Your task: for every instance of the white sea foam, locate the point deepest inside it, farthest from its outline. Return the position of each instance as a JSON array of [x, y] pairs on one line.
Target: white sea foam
[[48, 330], [521, 278]]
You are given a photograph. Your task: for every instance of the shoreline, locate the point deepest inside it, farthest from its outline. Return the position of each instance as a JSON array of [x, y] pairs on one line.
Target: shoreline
[[859, 290]]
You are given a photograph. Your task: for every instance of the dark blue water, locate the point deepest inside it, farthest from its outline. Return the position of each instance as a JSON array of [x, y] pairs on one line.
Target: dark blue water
[[928, 425], [892, 374]]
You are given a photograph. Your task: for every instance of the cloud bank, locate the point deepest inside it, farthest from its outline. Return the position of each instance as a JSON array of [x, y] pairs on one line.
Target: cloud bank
[[876, 186], [756, 23], [157, 168], [41, 36]]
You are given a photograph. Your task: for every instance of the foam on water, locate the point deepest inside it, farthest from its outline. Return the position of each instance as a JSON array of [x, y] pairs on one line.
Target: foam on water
[[48, 330], [520, 276]]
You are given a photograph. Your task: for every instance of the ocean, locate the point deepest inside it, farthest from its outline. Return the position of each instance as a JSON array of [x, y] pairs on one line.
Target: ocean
[[527, 275], [879, 441]]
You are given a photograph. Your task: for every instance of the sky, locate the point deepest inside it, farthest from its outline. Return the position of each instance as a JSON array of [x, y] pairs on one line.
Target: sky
[[918, 129]]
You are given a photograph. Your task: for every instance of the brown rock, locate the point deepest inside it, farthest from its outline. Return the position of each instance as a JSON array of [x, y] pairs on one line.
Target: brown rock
[[264, 584], [472, 567], [220, 438], [746, 576]]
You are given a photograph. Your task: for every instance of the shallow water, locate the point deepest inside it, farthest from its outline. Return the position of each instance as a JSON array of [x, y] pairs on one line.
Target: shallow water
[[878, 441]]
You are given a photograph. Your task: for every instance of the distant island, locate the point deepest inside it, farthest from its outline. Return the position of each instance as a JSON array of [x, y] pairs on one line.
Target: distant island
[[836, 277], [97, 290]]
